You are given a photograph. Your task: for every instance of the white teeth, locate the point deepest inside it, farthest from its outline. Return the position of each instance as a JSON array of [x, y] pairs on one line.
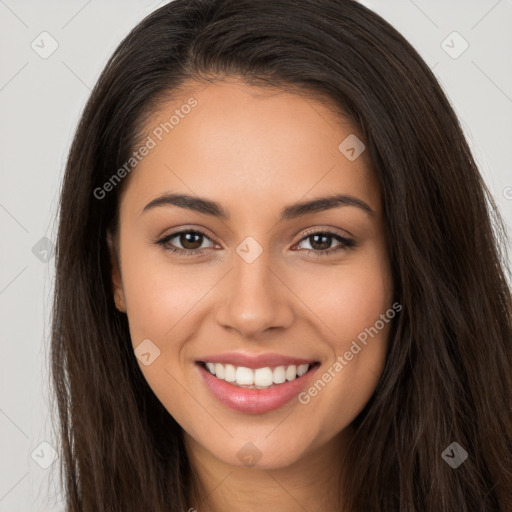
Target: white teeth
[[279, 375], [244, 376], [302, 369], [263, 377], [219, 370], [291, 372], [260, 378], [229, 373]]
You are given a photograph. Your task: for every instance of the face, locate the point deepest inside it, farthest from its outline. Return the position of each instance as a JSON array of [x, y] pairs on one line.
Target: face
[[252, 285]]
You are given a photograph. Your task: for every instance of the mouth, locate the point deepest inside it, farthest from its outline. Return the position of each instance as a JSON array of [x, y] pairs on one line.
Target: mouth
[[255, 390]]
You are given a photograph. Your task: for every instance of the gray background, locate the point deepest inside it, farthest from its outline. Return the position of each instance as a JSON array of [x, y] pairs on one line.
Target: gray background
[[40, 103]]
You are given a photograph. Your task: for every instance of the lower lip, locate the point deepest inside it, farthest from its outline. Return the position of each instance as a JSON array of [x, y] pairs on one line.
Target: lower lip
[[254, 401]]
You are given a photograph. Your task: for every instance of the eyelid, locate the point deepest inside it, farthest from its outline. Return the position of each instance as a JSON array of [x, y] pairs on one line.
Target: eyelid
[[187, 229], [326, 229]]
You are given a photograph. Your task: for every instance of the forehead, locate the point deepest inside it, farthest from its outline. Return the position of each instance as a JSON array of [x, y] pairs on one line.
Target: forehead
[[246, 146]]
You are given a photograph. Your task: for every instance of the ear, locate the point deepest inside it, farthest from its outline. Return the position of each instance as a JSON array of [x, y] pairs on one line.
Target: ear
[[117, 283]]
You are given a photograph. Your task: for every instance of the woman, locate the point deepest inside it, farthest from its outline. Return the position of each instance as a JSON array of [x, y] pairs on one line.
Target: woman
[[204, 357]]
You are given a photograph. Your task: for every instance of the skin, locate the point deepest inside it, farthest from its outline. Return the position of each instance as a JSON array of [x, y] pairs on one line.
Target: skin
[[255, 151]]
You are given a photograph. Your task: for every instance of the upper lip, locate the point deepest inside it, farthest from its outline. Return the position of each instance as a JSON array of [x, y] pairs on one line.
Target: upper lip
[[255, 361]]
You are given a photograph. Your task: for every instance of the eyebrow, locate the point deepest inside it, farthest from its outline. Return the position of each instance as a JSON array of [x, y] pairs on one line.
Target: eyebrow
[[293, 211]]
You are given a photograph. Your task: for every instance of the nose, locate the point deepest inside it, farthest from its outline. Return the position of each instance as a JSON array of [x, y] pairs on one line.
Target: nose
[[254, 299]]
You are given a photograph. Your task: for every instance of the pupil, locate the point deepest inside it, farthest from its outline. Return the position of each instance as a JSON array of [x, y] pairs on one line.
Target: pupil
[[325, 244], [187, 242]]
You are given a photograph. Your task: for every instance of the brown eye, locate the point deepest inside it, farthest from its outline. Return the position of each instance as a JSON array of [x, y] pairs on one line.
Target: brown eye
[[321, 242], [191, 242]]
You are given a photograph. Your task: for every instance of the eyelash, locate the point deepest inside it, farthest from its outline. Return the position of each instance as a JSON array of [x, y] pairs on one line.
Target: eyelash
[[346, 243]]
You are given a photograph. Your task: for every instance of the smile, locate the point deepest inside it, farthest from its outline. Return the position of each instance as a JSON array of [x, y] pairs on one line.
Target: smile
[[255, 390]]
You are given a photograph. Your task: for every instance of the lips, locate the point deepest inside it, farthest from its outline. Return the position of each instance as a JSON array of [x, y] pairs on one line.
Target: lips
[[255, 399]]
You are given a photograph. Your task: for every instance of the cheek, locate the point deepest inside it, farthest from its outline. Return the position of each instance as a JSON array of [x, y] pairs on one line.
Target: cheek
[[158, 295], [350, 299], [350, 303]]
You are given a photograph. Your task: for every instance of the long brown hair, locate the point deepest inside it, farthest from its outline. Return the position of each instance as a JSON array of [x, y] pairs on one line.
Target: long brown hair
[[448, 372]]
